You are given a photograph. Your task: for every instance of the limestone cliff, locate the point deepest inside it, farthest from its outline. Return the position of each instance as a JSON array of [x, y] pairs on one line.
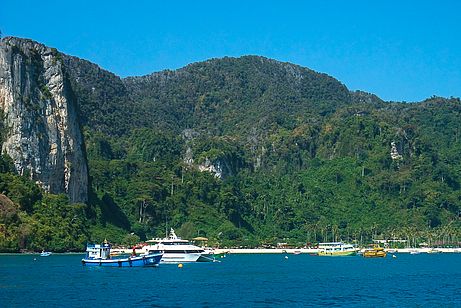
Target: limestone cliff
[[41, 129]]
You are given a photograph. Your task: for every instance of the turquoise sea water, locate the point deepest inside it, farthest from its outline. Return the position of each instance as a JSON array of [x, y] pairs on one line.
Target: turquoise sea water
[[239, 280]]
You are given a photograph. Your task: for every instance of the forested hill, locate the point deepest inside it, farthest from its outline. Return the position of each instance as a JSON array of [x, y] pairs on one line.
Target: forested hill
[[245, 151], [234, 95]]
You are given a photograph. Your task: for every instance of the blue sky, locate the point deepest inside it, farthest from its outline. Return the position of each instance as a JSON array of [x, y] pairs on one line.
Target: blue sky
[[399, 50]]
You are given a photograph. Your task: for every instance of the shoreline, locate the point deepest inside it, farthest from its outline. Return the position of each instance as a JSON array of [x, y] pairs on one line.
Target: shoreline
[[315, 250], [38, 253], [266, 251]]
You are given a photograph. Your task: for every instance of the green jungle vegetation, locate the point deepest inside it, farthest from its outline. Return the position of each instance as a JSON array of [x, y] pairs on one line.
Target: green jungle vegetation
[[301, 160]]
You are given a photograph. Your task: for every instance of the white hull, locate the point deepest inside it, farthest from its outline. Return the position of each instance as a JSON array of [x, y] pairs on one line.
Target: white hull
[[179, 257]]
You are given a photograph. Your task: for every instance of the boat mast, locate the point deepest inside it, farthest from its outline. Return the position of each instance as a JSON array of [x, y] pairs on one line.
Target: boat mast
[[166, 227]]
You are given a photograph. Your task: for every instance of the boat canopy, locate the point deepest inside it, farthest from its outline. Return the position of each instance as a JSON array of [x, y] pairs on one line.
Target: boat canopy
[[200, 238], [331, 244]]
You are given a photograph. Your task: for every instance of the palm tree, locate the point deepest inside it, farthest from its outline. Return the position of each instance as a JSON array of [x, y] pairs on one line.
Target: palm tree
[[334, 232]]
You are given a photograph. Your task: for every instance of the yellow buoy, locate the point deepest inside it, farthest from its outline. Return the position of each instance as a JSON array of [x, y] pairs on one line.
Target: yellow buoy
[[180, 265]]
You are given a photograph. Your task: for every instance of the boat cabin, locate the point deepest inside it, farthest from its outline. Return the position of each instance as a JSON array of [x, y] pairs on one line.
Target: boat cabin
[[335, 246], [98, 251]]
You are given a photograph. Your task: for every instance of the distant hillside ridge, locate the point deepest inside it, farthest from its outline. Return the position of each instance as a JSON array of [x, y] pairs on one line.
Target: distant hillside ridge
[[236, 94]]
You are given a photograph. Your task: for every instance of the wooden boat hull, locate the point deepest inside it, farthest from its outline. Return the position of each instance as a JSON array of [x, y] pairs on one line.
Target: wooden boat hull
[[148, 260], [374, 255]]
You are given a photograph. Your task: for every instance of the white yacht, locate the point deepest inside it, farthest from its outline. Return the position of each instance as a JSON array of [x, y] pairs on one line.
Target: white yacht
[[177, 250]]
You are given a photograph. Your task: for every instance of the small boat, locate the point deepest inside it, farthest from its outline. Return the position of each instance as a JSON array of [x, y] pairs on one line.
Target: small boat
[[99, 255], [375, 252], [45, 253], [211, 255], [415, 252], [433, 250], [336, 249], [219, 255]]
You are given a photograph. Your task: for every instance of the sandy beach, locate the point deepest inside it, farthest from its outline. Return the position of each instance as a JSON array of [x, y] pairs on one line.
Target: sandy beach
[[315, 250]]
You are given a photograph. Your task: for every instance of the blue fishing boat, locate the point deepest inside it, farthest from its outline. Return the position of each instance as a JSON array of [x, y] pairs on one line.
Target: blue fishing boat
[[99, 255]]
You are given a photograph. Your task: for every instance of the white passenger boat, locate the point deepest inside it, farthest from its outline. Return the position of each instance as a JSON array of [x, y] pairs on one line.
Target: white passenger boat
[[336, 249], [177, 250]]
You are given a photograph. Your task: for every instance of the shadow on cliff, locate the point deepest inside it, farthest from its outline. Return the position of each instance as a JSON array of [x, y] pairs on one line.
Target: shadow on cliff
[[111, 213]]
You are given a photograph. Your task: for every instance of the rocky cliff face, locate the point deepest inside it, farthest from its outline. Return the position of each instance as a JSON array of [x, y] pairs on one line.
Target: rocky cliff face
[[42, 133]]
